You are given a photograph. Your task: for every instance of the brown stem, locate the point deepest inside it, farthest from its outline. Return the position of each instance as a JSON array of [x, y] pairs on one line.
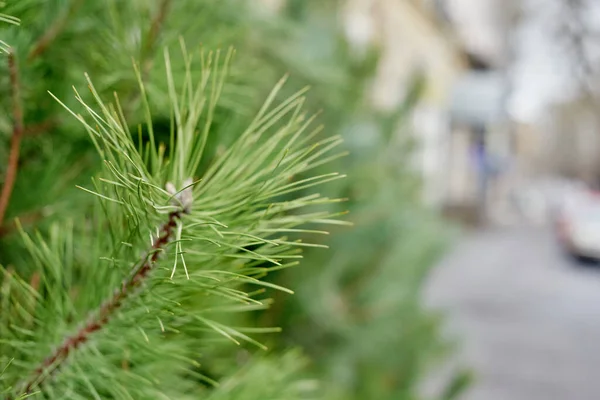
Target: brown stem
[[17, 133], [52, 32], [106, 310], [18, 129]]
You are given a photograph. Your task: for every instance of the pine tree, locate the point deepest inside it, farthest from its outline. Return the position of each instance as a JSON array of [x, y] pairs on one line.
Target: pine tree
[[176, 176], [120, 296]]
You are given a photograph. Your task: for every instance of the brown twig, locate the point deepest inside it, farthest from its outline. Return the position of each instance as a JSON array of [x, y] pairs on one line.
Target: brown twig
[[104, 313], [17, 133], [18, 129], [52, 32]]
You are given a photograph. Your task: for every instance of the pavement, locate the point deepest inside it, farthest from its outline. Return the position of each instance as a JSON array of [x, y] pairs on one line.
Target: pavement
[[526, 317]]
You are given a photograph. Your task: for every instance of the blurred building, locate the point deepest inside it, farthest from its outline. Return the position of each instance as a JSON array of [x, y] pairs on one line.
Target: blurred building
[[460, 123], [412, 42], [459, 49], [571, 140]]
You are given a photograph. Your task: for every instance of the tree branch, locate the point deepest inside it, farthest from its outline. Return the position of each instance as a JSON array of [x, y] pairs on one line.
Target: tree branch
[[18, 129], [17, 133], [107, 309]]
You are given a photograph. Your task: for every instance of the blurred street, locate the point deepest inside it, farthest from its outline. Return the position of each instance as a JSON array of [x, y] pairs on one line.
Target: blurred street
[[527, 319]]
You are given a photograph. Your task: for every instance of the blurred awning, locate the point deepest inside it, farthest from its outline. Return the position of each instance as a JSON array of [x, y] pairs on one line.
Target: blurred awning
[[477, 98]]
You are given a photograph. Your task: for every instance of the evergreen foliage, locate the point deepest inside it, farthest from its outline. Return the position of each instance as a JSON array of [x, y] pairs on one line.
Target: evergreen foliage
[[149, 232], [135, 285]]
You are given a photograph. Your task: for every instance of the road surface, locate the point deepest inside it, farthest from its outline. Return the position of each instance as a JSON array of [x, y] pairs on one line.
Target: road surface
[[528, 320]]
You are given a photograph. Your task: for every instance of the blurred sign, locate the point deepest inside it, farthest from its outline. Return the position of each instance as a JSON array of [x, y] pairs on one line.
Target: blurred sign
[[478, 98]]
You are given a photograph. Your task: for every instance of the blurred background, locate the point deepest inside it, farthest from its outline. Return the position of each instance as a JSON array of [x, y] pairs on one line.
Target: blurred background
[[473, 132]]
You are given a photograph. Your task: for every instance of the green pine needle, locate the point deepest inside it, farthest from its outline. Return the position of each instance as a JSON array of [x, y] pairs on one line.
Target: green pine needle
[[185, 247], [9, 19]]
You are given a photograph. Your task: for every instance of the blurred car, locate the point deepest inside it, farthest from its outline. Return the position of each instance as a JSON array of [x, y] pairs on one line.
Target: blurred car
[[577, 224]]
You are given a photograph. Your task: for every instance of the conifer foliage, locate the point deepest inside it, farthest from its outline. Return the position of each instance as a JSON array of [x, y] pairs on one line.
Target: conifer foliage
[[155, 190], [121, 297]]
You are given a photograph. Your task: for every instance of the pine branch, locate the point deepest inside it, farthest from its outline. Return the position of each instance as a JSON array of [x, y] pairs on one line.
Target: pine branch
[[101, 316], [31, 217], [223, 233], [15, 144]]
